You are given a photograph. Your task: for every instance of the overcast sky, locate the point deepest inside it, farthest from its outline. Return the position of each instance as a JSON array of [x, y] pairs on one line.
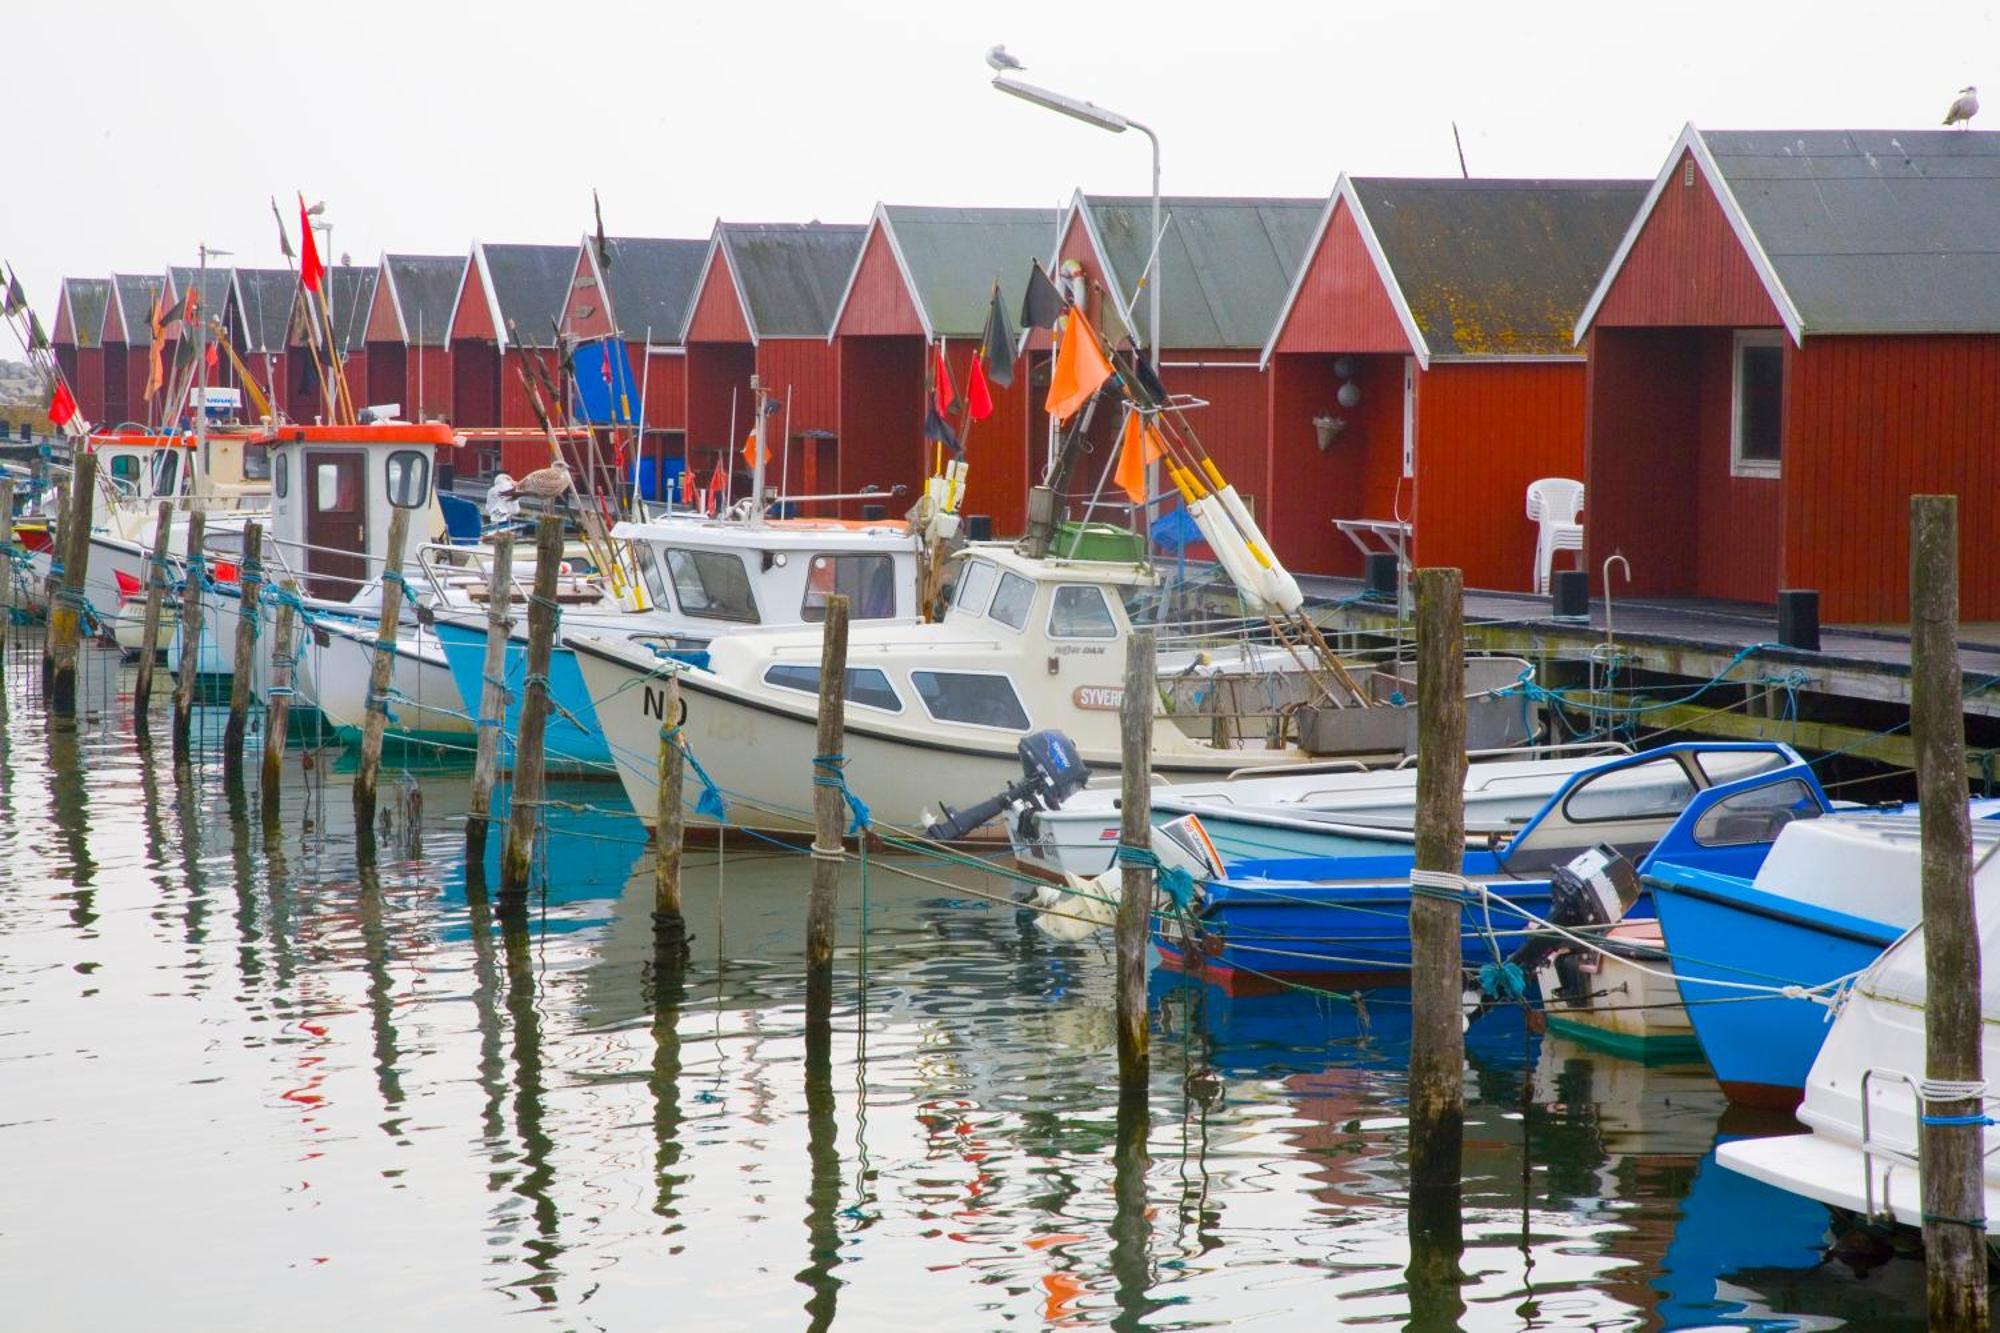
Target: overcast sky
[[144, 130]]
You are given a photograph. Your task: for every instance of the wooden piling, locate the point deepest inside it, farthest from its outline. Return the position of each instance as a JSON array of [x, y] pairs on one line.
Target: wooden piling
[[66, 608], [1951, 1160], [525, 792], [1437, 1035], [492, 723], [1135, 832], [196, 566], [7, 568], [381, 671], [156, 594], [829, 814], [278, 708], [670, 819], [248, 617], [57, 517]]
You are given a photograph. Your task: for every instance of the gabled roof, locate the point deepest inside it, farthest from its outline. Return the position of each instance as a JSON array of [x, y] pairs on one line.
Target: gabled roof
[[423, 289], [84, 303], [526, 286], [1227, 264], [263, 298], [650, 285], [951, 257], [214, 287], [789, 276], [1853, 231], [350, 292], [135, 293]]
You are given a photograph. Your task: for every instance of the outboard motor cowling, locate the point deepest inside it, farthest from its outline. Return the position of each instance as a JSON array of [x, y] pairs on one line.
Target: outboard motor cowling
[[1051, 772], [1594, 889]]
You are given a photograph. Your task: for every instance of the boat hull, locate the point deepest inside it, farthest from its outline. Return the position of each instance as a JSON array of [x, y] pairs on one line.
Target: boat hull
[[574, 736], [425, 703]]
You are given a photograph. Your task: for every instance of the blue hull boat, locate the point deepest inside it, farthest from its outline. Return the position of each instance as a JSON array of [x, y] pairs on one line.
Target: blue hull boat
[[574, 738]]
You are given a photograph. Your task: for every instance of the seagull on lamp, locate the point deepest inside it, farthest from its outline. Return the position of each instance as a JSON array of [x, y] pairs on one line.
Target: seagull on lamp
[[1964, 108], [1001, 62]]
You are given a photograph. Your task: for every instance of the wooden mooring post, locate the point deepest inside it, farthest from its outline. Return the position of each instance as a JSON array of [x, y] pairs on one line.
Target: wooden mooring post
[[278, 708], [381, 671], [669, 829], [249, 615], [492, 724], [829, 813], [525, 792], [156, 596], [66, 607], [1437, 1034], [1135, 836], [53, 579], [7, 567], [196, 566], [1950, 1151]]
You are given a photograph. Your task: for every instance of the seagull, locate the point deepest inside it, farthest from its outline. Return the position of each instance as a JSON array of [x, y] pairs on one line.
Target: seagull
[[1001, 61], [1961, 113], [547, 483]]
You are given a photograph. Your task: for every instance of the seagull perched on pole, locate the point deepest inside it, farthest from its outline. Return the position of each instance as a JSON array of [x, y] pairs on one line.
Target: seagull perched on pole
[[545, 483], [1964, 109], [1001, 62]]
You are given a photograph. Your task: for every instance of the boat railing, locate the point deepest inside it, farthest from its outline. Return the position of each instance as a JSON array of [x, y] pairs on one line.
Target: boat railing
[[1870, 1149], [1536, 751], [1287, 770]]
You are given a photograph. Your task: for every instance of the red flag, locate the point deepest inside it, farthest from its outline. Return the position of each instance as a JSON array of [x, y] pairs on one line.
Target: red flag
[[212, 356], [945, 393], [718, 482], [311, 271], [63, 407], [978, 395], [750, 449]]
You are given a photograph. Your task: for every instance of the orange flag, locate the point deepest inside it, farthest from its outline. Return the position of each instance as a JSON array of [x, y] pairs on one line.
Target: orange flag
[[1080, 367], [1138, 448], [750, 449]]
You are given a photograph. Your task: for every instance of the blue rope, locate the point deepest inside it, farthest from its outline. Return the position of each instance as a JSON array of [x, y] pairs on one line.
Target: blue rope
[[1956, 1120], [827, 773], [710, 802], [1177, 882], [1503, 981]]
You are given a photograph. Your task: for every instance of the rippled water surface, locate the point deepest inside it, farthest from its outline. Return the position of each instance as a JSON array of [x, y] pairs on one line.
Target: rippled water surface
[[247, 1082]]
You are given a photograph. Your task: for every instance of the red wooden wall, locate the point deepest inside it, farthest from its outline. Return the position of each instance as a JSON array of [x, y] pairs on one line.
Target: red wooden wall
[[664, 379], [879, 302], [997, 448], [1342, 305], [388, 376], [716, 371], [475, 384], [881, 417], [1641, 472], [1687, 267], [1357, 477]]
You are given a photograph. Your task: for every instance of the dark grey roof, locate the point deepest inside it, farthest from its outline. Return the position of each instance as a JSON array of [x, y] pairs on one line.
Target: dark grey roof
[[87, 299], [1228, 263], [1498, 267], [954, 255], [214, 288], [1874, 231], [136, 293], [530, 288], [426, 288], [264, 299], [650, 284], [350, 290], [792, 273]]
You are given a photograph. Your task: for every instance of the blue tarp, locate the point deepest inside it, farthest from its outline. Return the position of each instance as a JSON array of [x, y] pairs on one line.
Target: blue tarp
[[1176, 528], [605, 399]]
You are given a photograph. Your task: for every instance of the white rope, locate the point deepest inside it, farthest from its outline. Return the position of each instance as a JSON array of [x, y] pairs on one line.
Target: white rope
[[1951, 1090]]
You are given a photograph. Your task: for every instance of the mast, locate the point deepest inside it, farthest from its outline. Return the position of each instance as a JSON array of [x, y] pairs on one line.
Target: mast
[[757, 467]]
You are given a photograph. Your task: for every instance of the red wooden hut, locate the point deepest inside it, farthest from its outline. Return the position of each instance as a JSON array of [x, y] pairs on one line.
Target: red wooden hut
[[508, 310], [1422, 372], [349, 291], [926, 278], [1799, 330], [408, 338], [78, 341], [132, 296], [258, 317], [764, 305]]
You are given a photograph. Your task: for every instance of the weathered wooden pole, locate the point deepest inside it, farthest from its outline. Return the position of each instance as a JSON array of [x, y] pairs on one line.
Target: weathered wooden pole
[[381, 670], [156, 594], [525, 792], [278, 708], [1950, 1154], [66, 609], [669, 828], [196, 567], [57, 537], [492, 701], [829, 814], [249, 613], [1135, 842], [1437, 1034], [7, 567]]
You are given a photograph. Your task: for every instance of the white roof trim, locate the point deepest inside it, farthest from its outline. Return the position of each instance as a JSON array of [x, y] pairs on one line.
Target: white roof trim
[[736, 283], [909, 283], [1691, 141], [877, 218], [589, 247], [1299, 278], [492, 299], [388, 280], [458, 298]]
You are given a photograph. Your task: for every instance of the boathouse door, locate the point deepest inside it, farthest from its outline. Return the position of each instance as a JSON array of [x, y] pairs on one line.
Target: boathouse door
[[336, 522]]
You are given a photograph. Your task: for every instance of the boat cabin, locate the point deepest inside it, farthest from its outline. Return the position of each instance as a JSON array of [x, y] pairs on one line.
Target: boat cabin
[[333, 490], [729, 575], [1080, 606]]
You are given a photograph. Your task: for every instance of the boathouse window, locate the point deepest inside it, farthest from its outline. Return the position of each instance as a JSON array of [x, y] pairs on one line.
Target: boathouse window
[[1756, 815], [975, 585], [1012, 602], [1640, 791], [712, 584], [1079, 612], [409, 476], [963, 696], [864, 685], [867, 581], [281, 476], [1757, 405]]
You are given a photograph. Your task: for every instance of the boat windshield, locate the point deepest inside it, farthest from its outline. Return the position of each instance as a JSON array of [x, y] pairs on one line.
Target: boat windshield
[[712, 585], [867, 580]]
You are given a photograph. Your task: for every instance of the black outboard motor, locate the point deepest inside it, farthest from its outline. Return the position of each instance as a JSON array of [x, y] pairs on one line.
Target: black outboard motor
[[1051, 772], [1595, 889]]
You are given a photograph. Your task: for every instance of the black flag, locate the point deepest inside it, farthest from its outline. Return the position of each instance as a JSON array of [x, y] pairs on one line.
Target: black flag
[[603, 246], [937, 429], [997, 348], [1041, 304], [1149, 379]]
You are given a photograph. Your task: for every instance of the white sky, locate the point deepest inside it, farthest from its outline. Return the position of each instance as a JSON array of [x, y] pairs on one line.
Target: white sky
[[426, 125]]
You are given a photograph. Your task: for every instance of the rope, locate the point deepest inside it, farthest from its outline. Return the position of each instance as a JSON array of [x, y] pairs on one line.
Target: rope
[[1177, 882], [828, 772], [710, 802]]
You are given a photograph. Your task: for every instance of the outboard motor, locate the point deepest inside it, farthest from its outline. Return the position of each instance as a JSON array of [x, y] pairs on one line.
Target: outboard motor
[[1051, 772], [1592, 891]]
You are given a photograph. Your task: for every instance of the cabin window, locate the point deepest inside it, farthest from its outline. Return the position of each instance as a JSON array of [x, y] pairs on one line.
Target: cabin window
[[166, 472], [656, 582], [1756, 815], [1144, 603], [867, 581], [976, 699], [408, 472], [256, 462], [713, 585], [1637, 791], [975, 585], [125, 473], [1012, 601], [864, 685], [1078, 611], [1757, 414], [1720, 766], [335, 487], [281, 476]]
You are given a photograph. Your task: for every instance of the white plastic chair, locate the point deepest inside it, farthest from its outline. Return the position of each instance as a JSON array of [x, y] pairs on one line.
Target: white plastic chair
[[1556, 504]]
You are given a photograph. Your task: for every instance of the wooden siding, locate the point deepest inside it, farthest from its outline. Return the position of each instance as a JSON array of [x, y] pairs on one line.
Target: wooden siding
[[428, 389], [718, 314], [1870, 421], [474, 316], [1356, 477], [388, 376], [804, 375], [663, 380], [1640, 412], [587, 307], [997, 448], [881, 419], [475, 385], [117, 402], [1736, 538], [1342, 305], [1687, 267], [880, 302], [383, 326], [718, 374], [87, 383], [1234, 426]]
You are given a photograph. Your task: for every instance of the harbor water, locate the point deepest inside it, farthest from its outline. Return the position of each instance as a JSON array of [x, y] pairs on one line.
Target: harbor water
[[249, 1081]]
